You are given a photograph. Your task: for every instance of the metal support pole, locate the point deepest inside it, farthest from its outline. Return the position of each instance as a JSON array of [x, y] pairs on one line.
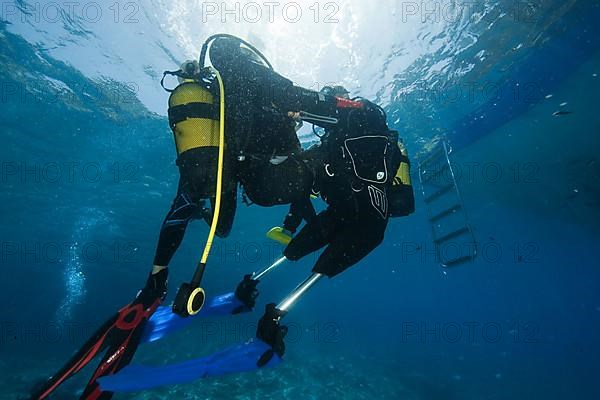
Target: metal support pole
[[260, 274], [297, 293]]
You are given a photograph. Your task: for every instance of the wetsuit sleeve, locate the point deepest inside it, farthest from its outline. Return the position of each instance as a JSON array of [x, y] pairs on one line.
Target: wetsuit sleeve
[[274, 88], [296, 98], [268, 88]]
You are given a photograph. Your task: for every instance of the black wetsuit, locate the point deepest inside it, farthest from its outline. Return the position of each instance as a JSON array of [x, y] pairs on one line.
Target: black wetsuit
[[195, 186], [351, 227], [274, 171], [356, 218]]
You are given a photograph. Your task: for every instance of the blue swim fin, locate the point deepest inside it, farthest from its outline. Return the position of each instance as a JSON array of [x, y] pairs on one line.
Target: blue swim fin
[[164, 321], [240, 358]]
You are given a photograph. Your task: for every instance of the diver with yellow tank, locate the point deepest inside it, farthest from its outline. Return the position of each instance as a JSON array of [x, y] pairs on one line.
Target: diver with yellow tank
[[194, 120], [261, 147]]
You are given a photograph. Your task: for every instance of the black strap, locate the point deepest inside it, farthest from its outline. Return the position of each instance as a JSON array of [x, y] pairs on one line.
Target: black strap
[[178, 73], [183, 112]]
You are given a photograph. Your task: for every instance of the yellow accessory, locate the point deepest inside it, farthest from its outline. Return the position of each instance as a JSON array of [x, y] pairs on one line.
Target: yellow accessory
[[280, 235], [403, 174], [215, 220], [193, 117]]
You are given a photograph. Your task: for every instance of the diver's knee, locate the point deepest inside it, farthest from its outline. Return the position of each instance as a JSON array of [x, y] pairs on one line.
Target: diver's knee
[[224, 229], [222, 233], [292, 254]]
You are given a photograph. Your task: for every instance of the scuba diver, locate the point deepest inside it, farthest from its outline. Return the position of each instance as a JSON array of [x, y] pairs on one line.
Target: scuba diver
[[401, 196], [362, 172]]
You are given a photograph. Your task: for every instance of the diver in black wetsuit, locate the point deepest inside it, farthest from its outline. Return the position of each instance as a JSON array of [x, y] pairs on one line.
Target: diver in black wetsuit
[[262, 147], [353, 170], [361, 171], [355, 190]]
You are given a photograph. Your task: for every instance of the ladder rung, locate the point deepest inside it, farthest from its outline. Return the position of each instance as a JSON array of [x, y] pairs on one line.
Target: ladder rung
[[451, 235], [426, 177], [447, 211], [456, 261], [440, 192], [437, 154]]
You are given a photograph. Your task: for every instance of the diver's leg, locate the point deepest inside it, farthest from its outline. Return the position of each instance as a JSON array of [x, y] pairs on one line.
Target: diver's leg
[[301, 209], [351, 244], [204, 187], [301, 180], [313, 236], [173, 229], [226, 213]]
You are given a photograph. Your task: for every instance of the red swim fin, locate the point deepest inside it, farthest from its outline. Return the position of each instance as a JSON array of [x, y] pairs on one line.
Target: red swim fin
[[125, 339], [121, 335]]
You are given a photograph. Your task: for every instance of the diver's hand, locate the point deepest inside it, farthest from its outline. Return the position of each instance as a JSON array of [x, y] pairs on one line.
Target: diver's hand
[[246, 292], [270, 332]]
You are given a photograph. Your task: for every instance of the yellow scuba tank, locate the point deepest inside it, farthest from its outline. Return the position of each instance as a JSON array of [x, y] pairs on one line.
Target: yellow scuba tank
[[193, 116], [403, 174], [401, 196]]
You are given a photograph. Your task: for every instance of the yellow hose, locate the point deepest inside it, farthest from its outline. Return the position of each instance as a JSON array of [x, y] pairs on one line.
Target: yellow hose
[[215, 220]]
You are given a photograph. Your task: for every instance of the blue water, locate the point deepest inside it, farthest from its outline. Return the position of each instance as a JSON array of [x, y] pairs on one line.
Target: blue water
[[88, 173]]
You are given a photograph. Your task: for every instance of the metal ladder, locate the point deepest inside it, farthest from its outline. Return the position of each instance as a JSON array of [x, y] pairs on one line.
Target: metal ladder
[[452, 234]]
